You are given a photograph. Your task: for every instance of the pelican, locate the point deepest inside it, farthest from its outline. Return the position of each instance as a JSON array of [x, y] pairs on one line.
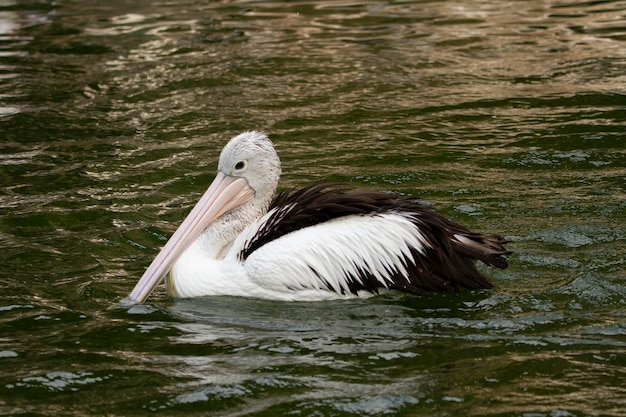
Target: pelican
[[322, 242]]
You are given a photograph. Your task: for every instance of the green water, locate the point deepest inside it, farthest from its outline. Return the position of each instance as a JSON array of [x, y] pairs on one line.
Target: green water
[[509, 117]]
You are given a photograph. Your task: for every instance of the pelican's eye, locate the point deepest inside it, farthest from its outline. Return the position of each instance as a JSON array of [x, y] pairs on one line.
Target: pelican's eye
[[241, 165]]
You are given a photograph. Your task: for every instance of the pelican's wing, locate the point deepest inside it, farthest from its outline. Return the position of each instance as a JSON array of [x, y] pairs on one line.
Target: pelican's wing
[[327, 239]]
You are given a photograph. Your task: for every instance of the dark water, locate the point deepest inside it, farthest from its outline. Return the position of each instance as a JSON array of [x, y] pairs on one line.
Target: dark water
[[508, 116]]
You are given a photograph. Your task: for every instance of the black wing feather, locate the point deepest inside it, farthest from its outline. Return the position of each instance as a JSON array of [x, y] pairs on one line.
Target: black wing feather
[[447, 264]]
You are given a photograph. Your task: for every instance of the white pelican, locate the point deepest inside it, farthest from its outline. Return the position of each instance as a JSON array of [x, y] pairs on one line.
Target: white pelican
[[315, 244]]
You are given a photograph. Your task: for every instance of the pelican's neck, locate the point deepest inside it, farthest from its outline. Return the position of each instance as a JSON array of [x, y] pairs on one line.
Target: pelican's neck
[[216, 239], [200, 266], [219, 236]]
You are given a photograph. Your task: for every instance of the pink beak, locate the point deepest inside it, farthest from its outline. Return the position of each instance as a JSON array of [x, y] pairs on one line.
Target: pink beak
[[224, 194]]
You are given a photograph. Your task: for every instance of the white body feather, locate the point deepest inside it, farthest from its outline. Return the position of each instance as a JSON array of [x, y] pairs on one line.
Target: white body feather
[[290, 268]]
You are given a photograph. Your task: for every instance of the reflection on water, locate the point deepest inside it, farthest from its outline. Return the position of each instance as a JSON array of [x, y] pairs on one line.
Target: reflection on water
[[10, 47], [506, 116]]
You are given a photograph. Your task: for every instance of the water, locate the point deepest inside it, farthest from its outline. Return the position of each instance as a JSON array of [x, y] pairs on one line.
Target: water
[[505, 116]]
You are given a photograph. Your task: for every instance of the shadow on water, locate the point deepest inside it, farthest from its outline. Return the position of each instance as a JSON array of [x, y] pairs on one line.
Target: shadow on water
[[508, 118]]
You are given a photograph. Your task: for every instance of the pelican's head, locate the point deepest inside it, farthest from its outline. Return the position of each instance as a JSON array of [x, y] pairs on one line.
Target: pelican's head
[[248, 171], [251, 155]]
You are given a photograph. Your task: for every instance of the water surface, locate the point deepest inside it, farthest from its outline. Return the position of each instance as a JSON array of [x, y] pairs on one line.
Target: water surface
[[508, 117]]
